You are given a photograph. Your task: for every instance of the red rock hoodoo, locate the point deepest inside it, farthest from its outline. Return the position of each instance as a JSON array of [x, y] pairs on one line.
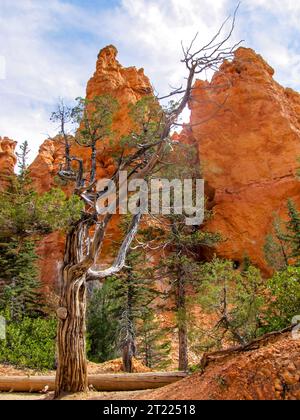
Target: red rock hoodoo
[[248, 147], [7, 159], [127, 85]]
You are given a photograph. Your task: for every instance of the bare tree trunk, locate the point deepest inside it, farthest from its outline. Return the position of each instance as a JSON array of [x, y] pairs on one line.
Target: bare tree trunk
[[183, 356], [182, 327], [128, 352], [128, 341], [71, 375]]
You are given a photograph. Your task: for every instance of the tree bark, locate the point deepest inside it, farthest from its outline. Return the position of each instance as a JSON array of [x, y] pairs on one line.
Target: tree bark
[[127, 356], [182, 327], [128, 344], [183, 356], [71, 375]]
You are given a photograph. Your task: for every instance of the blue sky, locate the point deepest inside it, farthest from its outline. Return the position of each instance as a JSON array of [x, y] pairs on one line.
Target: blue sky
[[49, 47]]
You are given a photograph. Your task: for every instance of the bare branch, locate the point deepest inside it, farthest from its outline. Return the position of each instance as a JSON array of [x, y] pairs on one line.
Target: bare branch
[[119, 263]]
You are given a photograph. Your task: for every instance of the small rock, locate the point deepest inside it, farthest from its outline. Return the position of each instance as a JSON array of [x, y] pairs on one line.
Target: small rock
[[278, 385], [289, 379]]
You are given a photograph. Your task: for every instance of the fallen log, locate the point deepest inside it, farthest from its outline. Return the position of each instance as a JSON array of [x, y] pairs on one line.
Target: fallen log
[[101, 382]]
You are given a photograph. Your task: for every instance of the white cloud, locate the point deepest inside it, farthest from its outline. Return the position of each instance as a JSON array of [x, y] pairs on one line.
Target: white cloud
[[2, 68], [273, 29], [37, 71], [50, 47], [149, 32]]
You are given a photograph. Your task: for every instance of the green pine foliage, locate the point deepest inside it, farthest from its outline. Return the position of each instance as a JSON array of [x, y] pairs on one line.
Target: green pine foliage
[[275, 253], [103, 322], [122, 310], [23, 212], [282, 247], [137, 293], [148, 119], [284, 289], [92, 126], [22, 161], [24, 216], [235, 300], [292, 235], [152, 342], [20, 293], [182, 247]]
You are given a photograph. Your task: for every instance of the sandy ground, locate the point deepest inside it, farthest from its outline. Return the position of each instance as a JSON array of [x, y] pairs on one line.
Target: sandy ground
[[113, 366], [90, 396], [10, 396]]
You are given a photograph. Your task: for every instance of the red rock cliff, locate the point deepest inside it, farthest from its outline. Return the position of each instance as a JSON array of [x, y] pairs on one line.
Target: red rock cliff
[[248, 149], [127, 85]]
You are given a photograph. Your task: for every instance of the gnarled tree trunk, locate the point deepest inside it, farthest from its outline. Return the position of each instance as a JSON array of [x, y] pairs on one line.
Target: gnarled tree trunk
[[71, 373]]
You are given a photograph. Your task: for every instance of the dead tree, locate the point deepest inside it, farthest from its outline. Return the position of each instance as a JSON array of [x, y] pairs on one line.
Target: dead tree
[[85, 238]]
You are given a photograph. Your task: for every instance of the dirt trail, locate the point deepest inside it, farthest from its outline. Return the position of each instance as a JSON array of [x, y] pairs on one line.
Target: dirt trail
[[132, 395]]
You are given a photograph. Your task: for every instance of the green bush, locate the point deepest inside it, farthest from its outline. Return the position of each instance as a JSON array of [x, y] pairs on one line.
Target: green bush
[[285, 303], [30, 343], [235, 298]]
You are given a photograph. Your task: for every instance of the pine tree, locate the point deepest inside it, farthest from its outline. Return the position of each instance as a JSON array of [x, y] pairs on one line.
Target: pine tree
[[282, 247], [138, 291], [24, 215], [120, 313], [22, 161], [20, 293], [153, 344], [235, 299], [284, 288], [292, 236], [20, 289], [181, 267], [183, 246], [103, 322]]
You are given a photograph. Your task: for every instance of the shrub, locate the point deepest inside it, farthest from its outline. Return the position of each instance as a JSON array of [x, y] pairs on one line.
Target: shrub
[[235, 299], [285, 291], [30, 343]]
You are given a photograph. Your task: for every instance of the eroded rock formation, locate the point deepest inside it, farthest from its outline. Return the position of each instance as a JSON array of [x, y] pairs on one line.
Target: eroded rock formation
[[46, 165], [7, 159], [127, 85], [247, 128]]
